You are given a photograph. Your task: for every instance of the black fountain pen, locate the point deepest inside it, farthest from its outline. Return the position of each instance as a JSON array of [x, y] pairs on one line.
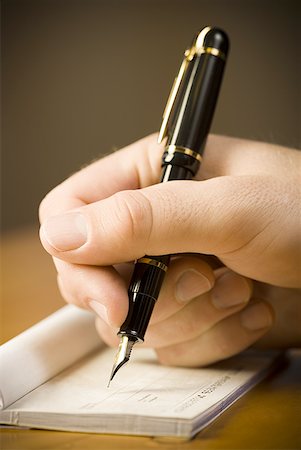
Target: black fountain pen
[[186, 122]]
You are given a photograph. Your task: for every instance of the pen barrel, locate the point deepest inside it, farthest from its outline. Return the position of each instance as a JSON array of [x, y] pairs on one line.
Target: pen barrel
[[144, 289], [196, 120]]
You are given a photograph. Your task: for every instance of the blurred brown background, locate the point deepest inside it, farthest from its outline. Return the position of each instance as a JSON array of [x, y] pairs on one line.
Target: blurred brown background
[[80, 77]]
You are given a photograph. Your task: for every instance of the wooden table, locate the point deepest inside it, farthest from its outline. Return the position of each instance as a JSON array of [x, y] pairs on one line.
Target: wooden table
[[268, 417]]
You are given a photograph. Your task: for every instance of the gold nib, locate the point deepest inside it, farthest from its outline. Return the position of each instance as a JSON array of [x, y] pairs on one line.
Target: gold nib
[[122, 355]]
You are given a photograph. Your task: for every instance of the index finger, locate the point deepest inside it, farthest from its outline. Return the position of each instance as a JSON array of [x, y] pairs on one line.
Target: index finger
[[134, 167], [138, 166]]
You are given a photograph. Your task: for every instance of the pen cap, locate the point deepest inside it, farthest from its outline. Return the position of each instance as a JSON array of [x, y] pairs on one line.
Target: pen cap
[[216, 38], [194, 105]]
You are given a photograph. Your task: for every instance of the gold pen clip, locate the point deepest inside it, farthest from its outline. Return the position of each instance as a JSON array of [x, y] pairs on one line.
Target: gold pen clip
[[188, 56], [196, 48]]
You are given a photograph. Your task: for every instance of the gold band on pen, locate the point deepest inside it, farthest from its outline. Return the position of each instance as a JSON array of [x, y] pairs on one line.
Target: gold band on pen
[[190, 53], [172, 149], [212, 51], [153, 262]]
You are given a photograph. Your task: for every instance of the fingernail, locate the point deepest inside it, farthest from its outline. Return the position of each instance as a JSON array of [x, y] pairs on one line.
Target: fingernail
[[99, 309], [191, 284], [65, 232], [256, 317], [230, 290]]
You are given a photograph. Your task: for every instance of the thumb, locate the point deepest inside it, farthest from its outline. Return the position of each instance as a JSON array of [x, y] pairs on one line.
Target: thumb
[[216, 216]]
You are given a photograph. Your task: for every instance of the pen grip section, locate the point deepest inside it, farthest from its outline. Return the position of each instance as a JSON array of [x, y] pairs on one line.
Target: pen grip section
[[144, 289], [178, 166]]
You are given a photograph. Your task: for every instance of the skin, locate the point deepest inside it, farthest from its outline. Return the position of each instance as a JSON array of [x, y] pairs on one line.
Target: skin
[[243, 207]]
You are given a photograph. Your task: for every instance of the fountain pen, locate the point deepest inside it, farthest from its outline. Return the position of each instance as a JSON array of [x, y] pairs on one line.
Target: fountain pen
[[186, 122]]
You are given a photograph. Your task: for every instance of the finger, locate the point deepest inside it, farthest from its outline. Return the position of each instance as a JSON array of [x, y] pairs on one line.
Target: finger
[[187, 277], [130, 224], [226, 155], [214, 307], [226, 216], [227, 338], [100, 289], [138, 165], [230, 294], [286, 303], [135, 166]]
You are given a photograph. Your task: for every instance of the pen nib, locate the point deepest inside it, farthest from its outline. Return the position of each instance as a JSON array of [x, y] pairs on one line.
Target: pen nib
[[122, 355]]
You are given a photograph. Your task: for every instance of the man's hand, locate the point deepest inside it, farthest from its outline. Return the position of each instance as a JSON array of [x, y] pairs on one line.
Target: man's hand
[[243, 207]]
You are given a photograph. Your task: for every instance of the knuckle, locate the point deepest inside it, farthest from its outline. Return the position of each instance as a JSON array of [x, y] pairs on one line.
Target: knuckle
[[133, 215], [61, 287], [64, 291], [44, 206], [195, 326], [49, 203], [223, 347], [107, 335], [188, 329], [70, 281]]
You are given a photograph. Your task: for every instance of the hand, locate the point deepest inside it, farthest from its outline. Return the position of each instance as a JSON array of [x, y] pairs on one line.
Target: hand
[[243, 208]]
